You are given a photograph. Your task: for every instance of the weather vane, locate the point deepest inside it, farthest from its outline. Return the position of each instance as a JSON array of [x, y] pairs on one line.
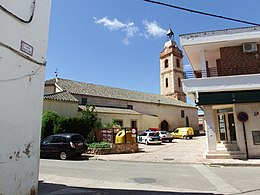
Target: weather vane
[[170, 34], [56, 73]]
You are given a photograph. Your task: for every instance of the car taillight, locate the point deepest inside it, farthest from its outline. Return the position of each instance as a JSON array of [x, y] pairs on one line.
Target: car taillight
[[72, 145]]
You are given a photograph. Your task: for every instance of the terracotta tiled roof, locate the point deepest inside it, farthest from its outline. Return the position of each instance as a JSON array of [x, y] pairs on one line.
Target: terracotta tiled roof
[[81, 88], [61, 96]]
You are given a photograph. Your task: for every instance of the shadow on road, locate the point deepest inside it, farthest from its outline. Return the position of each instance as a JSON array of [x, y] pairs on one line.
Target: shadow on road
[[58, 189], [75, 158]]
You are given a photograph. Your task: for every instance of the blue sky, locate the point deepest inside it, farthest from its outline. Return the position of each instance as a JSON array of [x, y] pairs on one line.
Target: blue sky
[[118, 42]]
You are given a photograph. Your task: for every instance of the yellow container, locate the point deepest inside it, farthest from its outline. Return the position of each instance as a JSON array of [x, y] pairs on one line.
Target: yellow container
[[120, 137]]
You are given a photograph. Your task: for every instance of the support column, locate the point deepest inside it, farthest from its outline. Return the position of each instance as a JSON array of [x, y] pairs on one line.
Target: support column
[[203, 64], [210, 128]]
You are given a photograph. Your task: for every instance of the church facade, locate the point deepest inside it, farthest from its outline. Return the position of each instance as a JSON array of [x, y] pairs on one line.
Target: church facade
[[129, 108]]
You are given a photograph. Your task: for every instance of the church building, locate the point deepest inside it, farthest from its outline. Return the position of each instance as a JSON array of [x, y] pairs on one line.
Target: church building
[[129, 108]]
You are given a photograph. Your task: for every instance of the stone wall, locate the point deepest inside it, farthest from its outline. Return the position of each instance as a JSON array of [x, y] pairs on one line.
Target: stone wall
[[115, 149]]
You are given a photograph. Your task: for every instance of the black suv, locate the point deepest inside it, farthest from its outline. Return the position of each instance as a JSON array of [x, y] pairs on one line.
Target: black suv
[[63, 145]]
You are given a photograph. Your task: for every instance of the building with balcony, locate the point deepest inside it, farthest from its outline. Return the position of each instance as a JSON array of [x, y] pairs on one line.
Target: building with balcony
[[225, 83]]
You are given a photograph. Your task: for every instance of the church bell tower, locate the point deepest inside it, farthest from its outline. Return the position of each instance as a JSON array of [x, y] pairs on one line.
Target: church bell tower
[[171, 69]]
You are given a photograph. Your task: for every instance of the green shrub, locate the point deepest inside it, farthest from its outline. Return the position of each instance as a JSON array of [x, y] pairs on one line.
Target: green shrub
[[85, 124], [99, 145], [49, 122]]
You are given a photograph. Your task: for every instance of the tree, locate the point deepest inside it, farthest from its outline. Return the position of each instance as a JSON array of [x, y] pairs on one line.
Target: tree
[[85, 124], [49, 122], [90, 116]]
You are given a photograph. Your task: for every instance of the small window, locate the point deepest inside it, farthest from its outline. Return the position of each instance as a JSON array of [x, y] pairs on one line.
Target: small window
[[178, 62], [119, 122], [83, 101], [179, 82], [133, 124], [256, 137], [166, 83], [182, 114], [166, 63]]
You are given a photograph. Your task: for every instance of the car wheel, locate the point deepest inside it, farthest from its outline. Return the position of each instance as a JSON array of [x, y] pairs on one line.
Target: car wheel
[[63, 155]]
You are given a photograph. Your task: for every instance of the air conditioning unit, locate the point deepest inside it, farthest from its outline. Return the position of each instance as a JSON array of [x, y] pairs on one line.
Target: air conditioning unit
[[249, 47]]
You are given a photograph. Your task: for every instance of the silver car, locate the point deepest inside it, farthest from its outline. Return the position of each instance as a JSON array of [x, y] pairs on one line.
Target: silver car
[[165, 136], [149, 137]]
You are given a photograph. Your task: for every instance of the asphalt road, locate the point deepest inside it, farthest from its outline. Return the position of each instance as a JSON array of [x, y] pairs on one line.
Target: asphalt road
[[85, 176]]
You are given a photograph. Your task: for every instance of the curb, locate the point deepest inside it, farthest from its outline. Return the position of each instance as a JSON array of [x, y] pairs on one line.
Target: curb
[[224, 164]]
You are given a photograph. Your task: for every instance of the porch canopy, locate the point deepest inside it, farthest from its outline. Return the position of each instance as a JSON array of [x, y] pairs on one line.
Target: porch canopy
[[219, 90]]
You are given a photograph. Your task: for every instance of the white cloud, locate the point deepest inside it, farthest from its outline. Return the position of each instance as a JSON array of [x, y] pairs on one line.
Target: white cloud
[[110, 24], [152, 29], [129, 28]]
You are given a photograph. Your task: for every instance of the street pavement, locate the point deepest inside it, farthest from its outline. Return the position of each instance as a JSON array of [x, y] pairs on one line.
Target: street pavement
[[181, 151], [189, 152]]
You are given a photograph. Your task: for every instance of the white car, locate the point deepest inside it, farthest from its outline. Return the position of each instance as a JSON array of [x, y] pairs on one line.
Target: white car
[[149, 137]]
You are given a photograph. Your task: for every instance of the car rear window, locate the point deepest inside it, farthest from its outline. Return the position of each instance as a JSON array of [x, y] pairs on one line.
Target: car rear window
[[153, 134], [77, 138], [164, 132]]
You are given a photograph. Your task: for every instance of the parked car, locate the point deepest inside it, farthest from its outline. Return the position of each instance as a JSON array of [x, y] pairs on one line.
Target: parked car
[[63, 146], [165, 136], [149, 137], [183, 132]]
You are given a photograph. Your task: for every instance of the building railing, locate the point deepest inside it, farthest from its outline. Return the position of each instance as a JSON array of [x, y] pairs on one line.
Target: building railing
[[210, 72], [213, 72]]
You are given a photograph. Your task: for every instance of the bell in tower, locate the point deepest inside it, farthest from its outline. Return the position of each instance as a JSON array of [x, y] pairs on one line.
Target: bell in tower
[[171, 69]]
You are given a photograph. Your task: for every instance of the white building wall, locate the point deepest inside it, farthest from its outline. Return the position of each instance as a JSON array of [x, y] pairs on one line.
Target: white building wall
[[21, 84], [170, 113], [253, 124], [63, 108], [143, 121], [149, 121], [107, 118]]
